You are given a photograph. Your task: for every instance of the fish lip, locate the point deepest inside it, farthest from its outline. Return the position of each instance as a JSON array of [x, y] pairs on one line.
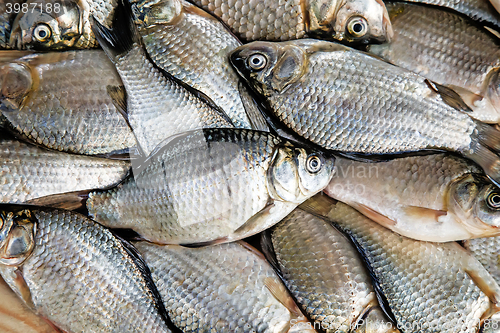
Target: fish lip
[[238, 62]]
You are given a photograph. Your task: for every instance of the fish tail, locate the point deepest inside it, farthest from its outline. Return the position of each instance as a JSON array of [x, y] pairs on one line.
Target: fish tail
[[68, 201], [485, 150], [121, 37]]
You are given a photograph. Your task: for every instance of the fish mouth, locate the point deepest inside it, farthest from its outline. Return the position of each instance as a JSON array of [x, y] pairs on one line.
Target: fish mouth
[[238, 62]]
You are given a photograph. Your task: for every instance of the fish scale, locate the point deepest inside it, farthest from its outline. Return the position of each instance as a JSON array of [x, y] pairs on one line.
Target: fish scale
[[68, 109], [30, 172], [479, 10], [252, 180], [193, 47], [251, 21], [72, 254], [446, 48], [345, 100], [221, 288], [324, 272], [444, 299], [191, 178]]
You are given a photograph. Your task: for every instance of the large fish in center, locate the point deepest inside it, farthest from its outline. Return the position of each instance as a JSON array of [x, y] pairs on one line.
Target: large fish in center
[[213, 185], [349, 101]]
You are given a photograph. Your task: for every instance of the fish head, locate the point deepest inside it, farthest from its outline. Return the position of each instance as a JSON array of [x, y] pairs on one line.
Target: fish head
[[40, 30], [150, 12], [355, 21], [17, 235], [297, 173], [269, 67], [16, 82], [475, 201]]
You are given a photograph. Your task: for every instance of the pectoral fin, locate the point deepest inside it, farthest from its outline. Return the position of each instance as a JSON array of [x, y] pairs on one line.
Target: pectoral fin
[[264, 219], [14, 278], [374, 215], [423, 213], [278, 290]]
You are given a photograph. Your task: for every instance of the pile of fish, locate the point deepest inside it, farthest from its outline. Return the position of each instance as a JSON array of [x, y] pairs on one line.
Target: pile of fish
[[250, 166]]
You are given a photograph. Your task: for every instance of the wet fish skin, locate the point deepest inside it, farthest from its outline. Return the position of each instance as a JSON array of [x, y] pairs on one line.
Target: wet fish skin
[[294, 19], [193, 46], [454, 298], [349, 101], [60, 100], [486, 251], [29, 172], [63, 28], [75, 272], [157, 106], [462, 55], [227, 287], [438, 197], [323, 271], [478, 10], [251, 180]]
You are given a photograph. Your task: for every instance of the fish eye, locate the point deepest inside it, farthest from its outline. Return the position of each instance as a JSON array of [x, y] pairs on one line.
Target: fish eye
[[357, 27], [42, 32], [257, 61], [493, 200], [313, 164]]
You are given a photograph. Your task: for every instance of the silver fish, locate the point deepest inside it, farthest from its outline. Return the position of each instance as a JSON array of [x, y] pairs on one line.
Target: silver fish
[[437, 197], [213, 185], [428, 287], [28, 172], [461, 55], [487, 251], [52, 25], [349, 101], [60, 100], [76, 273], [324, 272], [156, 106], [478, 10], [222, 288], [360, 21], [193, 46]]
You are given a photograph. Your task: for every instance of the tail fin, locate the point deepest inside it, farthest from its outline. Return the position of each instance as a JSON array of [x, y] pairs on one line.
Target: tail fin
[[120, 39], [68, 201], [485, 149]]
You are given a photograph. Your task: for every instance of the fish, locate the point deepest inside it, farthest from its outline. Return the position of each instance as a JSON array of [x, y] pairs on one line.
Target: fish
[[324, 272], [222, 288], [60, 100], [461, 56], [75, 273], [49, 25], [437, 198], [28, 172], [350, 102], [423, 286], [481, 11], [155, 105], [211, 186], [7, 16], [16, 317], [354, 21], [193, 47], [486, 251]]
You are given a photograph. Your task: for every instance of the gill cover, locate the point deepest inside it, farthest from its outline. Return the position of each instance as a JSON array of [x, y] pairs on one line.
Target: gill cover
[[17, 236]]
